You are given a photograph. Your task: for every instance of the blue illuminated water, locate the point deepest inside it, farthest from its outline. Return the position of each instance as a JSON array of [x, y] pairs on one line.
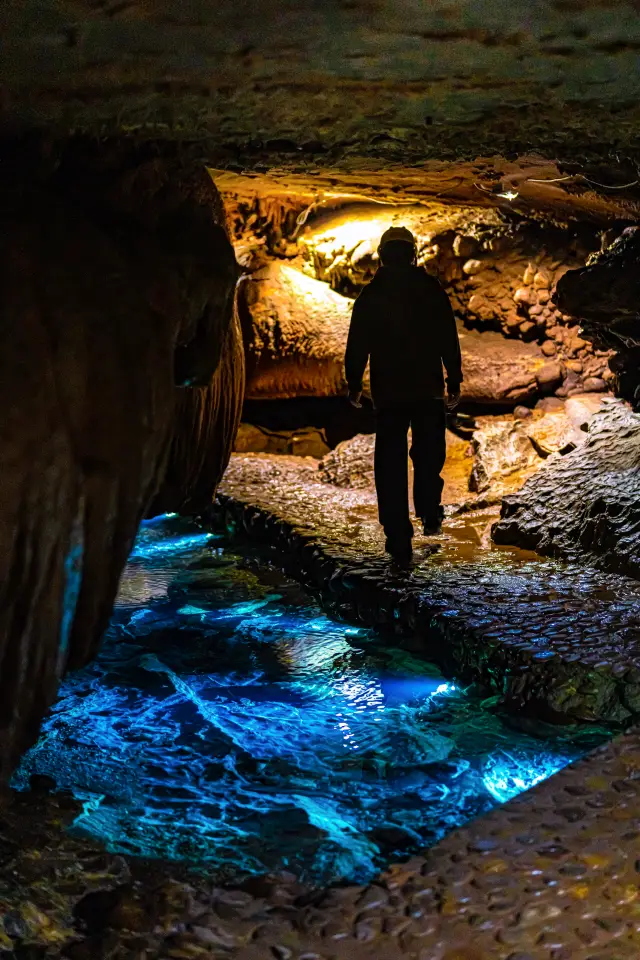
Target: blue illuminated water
[[228, 723]]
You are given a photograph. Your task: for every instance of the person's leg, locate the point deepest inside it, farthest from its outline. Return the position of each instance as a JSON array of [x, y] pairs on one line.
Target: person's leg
[[428, 452], [391, 472]]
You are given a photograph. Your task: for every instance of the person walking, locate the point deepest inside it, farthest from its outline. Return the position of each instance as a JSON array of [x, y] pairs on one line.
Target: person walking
[[402, 322]]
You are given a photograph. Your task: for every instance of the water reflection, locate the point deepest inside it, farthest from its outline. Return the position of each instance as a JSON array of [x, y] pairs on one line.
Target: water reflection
[[229, 723]]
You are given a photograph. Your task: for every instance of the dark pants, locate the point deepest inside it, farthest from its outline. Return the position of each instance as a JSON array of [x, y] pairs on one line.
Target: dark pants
[[428, 452]]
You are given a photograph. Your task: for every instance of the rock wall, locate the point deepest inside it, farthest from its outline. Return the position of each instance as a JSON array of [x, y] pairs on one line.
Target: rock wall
[[500, 272], [114, 270], [605, 297], [584, 505], [295, 333], [205, 424]]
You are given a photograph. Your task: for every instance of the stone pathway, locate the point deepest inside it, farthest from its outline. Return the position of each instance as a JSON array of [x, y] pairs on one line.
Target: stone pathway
[[558, 640]]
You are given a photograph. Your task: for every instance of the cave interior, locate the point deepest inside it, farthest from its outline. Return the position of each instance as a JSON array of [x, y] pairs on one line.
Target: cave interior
[[230, 727]]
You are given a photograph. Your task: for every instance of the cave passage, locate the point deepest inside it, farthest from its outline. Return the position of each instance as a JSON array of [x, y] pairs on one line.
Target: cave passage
[[229, 723]]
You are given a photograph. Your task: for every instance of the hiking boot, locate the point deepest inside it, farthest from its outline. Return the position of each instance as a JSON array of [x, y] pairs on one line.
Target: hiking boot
[[401, 552], [432, 526]]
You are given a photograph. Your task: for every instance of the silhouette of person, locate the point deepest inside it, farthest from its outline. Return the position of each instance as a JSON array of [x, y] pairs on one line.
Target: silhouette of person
[[402, 322]]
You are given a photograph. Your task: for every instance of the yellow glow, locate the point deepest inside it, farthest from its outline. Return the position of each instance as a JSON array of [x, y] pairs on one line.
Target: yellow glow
[[345, 235]]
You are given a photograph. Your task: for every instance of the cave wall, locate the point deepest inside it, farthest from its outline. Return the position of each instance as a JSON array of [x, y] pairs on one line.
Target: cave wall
[[500, 271], [112, 269], [584, 506]]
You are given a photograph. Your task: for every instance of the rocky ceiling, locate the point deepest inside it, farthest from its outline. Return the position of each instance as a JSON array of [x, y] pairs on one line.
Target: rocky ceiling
[[364, 96]]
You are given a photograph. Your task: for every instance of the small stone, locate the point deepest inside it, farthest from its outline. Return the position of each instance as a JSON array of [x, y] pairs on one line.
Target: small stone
[[543, 296], [549, 348], [522, 413], [464, 246], [594, 385], [575, 366], [526, 327], [477, 303], [529, 273], [542, 280], [549, 374], [471, 267], [281, 953], [522, 296]]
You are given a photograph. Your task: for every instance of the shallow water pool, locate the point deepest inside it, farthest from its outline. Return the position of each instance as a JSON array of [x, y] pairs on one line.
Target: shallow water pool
[[228, 723]]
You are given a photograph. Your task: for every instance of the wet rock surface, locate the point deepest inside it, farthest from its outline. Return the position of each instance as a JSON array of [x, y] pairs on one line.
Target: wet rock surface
[[550, 874], [584, 504], [553, 639]]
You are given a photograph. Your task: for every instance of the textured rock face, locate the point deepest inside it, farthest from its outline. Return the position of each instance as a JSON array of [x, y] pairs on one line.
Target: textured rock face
[[295, 333], [392, 80], [584, 504], [205, 423], [605, 297], [116, 284]]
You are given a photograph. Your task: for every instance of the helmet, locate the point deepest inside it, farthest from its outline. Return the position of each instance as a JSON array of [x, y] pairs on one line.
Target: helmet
[[396, 233]]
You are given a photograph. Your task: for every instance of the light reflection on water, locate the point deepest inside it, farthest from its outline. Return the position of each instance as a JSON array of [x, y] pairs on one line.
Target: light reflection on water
[[229, 723]]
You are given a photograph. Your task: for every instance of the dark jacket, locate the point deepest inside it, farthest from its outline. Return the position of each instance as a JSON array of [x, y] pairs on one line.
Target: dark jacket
[[404, 323]]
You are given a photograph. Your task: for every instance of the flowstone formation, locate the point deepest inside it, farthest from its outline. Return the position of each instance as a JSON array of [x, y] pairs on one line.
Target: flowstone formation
[[118, 280]]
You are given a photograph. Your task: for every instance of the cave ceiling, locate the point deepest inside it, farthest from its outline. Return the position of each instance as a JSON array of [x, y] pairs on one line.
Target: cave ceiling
[[400, 99]]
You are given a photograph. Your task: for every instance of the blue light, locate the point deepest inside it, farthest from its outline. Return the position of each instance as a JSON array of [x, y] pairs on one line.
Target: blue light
[[158, 519], [146, 549], [275, 737], [508, 774]]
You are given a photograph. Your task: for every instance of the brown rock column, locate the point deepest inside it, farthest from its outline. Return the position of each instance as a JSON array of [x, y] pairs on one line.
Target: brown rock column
[[115, 283]]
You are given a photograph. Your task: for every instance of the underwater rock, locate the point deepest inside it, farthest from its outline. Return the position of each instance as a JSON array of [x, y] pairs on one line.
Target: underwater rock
[[584, 505]]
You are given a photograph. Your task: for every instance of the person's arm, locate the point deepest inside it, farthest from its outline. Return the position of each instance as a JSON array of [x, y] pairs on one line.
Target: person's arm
[[357, 353], [451, 355]]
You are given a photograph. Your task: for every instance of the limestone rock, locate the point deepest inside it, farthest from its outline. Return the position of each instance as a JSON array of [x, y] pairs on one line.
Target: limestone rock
[[604, 296], [111, 293], [295, 333], [496, 369], [307, 442], [585, 505], [501, 449]]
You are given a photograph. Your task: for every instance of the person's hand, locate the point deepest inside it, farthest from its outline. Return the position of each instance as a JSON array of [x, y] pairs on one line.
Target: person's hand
[[354, 398], [453, 399]]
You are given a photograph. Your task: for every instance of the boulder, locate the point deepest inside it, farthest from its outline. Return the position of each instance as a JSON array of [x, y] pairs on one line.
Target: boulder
[[584, 505], [306, 442], [498, 370]]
